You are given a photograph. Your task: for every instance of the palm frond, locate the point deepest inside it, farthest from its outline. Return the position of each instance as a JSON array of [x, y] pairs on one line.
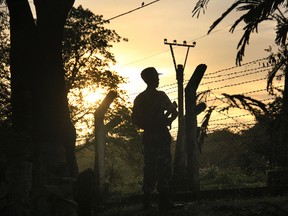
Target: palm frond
[[201, 5], [233, 6], [281, 30], [256, 11], [243, 102], [204, 127], [243, 42], [206, 118]]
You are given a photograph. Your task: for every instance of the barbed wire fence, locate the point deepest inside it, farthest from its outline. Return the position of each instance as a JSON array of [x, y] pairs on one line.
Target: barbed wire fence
[[231, 155]]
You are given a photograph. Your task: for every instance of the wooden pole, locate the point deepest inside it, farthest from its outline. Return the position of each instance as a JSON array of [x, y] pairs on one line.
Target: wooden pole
[[180, 155], [100, 137], [179, 169], [191, 128], [179, 77]]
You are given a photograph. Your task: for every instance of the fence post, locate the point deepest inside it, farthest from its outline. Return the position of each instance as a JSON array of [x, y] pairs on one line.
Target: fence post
[[100, 137], [191, 128]]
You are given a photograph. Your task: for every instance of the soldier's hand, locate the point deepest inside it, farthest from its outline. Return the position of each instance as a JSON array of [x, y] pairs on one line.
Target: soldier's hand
[[169, 122]]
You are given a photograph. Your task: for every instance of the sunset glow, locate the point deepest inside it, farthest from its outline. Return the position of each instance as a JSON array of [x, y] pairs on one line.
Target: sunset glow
[[93, 97], [146, 30]]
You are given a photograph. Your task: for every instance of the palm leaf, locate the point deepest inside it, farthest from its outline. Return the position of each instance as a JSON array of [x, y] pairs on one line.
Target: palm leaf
[[257, 11], [243, 42], [240, 101], [204, 127], [233, 6], [201, 5], [281, 30], [202, 96], [205, 120]]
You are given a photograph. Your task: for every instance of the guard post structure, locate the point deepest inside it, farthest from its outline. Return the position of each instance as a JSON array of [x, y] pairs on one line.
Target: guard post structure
[[179, 170]]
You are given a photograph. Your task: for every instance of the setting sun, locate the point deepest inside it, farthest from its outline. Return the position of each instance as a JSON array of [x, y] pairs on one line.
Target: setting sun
[[93, 97]]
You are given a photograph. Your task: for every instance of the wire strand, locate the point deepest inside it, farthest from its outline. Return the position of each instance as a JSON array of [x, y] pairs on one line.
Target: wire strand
[[138, 8]]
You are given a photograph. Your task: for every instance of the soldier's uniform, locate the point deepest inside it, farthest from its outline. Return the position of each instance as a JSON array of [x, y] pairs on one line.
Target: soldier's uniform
[[153, 111], [149, 113]]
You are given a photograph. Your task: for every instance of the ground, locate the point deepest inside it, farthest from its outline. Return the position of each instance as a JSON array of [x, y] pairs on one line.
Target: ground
[[241, 206]]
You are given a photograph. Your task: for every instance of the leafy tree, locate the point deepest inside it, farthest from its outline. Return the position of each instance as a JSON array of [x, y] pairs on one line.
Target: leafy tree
[[87, 58], [86, 51]]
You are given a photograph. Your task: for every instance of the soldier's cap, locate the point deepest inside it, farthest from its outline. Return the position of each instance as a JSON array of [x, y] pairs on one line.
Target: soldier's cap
[[148, 73]]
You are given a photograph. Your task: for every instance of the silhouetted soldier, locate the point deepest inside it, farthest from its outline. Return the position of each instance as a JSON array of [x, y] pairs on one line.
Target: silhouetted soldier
[[153, 112]]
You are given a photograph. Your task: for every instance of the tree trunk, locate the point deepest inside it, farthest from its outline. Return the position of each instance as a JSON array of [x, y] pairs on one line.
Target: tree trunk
[[40, 104], [56, 134], [19, 174]]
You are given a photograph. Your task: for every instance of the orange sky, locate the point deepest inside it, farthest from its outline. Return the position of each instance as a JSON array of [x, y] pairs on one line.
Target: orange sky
[[146, 29]]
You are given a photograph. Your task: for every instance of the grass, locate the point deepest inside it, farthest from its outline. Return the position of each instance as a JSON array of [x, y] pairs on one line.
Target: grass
[[257, 206]]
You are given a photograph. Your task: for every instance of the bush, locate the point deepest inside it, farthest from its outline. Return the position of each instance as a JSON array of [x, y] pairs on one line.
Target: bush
[[216, 178]]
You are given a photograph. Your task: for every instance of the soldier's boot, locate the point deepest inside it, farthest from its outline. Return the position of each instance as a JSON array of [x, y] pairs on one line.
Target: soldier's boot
[[165, 203], [147, 202]]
